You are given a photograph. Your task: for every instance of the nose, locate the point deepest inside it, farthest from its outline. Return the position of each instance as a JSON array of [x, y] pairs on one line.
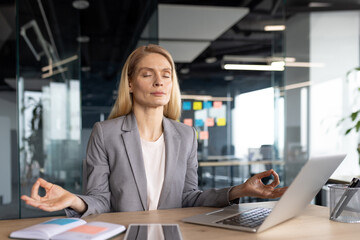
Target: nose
[[158, 84], [158, 81]]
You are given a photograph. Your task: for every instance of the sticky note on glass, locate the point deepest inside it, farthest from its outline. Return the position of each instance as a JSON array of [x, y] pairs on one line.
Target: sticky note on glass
[[217, 104], [197, 105], [204, 135], [210, 122], [221, 122], [186, 105], [188, 121], [207, 104], [199, 123]]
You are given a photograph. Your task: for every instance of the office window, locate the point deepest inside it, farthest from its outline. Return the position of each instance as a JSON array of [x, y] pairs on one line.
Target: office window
[[322, 91], [320, 94], [331, 93], [253, 118]]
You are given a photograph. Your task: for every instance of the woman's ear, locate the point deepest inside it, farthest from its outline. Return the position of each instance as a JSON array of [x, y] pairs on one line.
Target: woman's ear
[[130, 87]]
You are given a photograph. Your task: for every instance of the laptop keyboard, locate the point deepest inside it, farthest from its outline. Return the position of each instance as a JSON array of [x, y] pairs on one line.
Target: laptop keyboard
[[251, 218]]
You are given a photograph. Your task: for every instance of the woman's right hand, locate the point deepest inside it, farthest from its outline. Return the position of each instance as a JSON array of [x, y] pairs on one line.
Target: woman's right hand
[[254, 187], [56, 198]]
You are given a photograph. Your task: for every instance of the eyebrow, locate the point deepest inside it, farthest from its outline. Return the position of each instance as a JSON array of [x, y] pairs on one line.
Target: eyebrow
[[151, 69]]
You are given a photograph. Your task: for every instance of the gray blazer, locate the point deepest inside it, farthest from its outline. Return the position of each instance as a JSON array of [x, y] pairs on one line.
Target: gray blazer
[[116, 173]]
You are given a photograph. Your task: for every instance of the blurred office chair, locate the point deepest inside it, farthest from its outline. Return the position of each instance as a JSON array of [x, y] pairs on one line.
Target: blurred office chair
[[268, 154], [227, 150]]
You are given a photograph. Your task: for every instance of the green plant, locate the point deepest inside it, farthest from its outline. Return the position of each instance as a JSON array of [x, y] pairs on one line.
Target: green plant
[[354, 117]]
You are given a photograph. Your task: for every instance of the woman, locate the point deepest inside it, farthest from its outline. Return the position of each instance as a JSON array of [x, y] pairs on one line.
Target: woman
[[141, 158]]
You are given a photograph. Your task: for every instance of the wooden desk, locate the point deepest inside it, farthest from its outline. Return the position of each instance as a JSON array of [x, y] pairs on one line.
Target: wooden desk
[[313, 224]]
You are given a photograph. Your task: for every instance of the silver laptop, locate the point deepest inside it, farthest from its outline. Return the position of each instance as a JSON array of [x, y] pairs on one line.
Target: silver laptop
[[303, 189]]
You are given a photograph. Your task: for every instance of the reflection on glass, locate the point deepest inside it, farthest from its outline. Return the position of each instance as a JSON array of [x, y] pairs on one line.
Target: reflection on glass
[[51, 136], [49, 103]]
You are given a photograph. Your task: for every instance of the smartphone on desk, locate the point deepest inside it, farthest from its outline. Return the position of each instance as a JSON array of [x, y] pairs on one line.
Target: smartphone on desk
[[153, 231]]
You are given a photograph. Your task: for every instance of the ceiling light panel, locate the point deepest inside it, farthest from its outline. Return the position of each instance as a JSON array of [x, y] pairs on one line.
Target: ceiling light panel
[[274, 28], [253, 67], [80, 4], [181, 26]]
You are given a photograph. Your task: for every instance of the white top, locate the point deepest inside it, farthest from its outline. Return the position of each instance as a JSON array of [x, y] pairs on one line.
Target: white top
[[154, 161]]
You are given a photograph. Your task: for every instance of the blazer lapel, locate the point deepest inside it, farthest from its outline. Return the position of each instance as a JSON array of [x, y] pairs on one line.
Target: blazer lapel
[[132, 144], [172, 146]]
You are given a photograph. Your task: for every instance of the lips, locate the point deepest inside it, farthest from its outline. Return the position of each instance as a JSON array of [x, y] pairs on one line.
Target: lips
[[158, 93]]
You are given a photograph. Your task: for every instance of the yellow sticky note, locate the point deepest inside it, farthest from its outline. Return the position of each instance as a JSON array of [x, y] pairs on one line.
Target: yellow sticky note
[[221, 121], [204, 135], [197, 105]]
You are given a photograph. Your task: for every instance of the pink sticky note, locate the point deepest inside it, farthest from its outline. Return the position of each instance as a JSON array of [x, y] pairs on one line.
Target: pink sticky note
[[217, 104], [188, 121], [210, 122], [88, 229], [204, 135]]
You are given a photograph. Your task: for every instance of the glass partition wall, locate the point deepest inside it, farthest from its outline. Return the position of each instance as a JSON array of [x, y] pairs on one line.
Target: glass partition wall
[[238, 115], [288, 108], [61, 45], [234, 98], [49, 109], [9, 193]]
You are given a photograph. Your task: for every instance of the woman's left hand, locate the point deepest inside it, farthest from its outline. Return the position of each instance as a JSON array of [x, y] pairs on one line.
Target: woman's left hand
[[254, 187]]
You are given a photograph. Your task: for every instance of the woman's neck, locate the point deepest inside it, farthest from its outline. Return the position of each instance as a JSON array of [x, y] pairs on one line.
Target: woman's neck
[[149, 121]]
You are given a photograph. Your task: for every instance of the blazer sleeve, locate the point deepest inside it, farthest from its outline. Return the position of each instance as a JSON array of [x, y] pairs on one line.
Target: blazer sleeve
[[98, 194], [192, 196]]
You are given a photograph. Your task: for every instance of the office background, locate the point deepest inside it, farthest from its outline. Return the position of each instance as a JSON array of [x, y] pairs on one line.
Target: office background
[[60, 67]]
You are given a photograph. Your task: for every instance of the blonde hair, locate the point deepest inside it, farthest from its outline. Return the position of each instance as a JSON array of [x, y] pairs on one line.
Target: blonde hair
[[123, 103]]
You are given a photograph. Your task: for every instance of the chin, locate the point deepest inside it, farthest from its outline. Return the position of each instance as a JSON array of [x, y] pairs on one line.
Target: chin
[[156, 104], [161, 103]]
